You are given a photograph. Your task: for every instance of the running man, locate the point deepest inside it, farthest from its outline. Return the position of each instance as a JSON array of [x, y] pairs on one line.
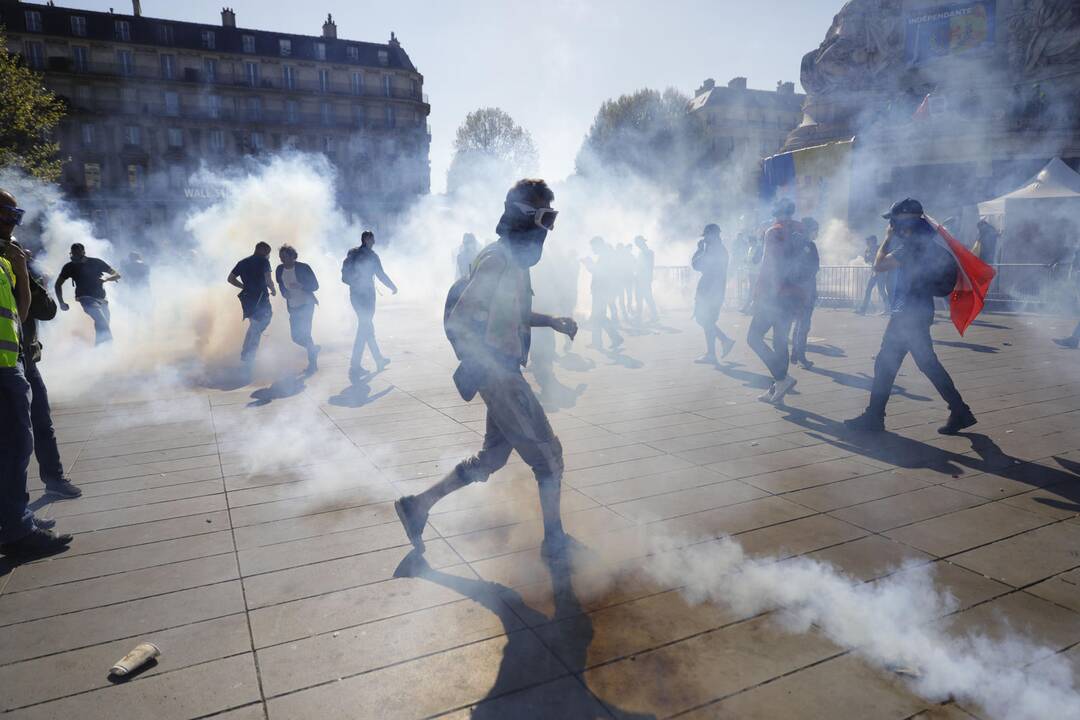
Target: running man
[[490, 324]]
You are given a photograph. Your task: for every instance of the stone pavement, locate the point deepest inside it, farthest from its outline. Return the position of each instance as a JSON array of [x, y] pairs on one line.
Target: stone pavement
[[250, 533]]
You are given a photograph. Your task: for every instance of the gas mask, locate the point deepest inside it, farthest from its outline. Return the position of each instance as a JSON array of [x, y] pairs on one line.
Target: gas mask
[[525, 228]]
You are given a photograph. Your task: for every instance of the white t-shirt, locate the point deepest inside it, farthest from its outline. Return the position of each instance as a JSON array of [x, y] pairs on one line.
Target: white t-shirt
[[298, 297]]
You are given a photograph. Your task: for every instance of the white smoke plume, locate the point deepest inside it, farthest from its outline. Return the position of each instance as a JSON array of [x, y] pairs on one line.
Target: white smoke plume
[[895, 623]]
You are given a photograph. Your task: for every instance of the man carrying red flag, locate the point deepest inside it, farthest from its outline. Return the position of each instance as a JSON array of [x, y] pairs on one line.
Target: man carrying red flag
[[925, 269]]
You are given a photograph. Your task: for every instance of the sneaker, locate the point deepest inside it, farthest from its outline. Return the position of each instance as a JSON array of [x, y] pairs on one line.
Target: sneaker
[[783, 387], [381, 364], [1068, 342], [617, 342], [412, 519], [958, 420], [767, 396], [725, 347], [357, 373], [860, 311], [44, 523], [62, 487], [805, 363], [706, 359], [36, 544], [867, 422]]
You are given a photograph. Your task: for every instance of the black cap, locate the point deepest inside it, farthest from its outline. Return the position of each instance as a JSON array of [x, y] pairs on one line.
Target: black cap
[[784, 207], [907, 206], [711, 229]]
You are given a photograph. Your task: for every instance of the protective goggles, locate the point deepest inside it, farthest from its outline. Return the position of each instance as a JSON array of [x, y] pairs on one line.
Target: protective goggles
[[13, 215], [543, 217]]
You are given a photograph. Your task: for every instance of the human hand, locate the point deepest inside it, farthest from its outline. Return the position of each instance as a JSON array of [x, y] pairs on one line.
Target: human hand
[[566, 326], [64, 306], [393, 291]]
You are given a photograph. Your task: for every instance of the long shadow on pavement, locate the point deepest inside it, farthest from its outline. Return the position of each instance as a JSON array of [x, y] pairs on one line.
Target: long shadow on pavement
[[506, 698], [862, 381], [912, 454]]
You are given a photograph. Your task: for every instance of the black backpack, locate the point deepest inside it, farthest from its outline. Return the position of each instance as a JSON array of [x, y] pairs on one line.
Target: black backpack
[[453, 332]]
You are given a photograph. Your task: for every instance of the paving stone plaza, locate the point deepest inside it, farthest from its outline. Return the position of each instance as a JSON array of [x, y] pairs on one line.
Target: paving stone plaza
[[250, 533]]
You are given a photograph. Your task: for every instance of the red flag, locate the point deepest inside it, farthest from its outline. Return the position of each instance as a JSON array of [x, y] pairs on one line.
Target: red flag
[[972, 280]]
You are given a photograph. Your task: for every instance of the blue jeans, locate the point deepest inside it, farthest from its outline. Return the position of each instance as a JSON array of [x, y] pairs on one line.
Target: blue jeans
[[17, 445], [260, 320], [98, 310]]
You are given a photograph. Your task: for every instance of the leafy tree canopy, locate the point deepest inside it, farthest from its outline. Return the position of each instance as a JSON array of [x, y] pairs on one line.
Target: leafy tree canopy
[[490, 145], [29, 113]]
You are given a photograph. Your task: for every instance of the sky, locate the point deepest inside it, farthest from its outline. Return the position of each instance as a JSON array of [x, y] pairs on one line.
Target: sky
[[550, 65]]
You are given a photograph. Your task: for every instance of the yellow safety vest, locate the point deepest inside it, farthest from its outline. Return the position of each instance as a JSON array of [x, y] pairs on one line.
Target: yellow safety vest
[[9, 317]]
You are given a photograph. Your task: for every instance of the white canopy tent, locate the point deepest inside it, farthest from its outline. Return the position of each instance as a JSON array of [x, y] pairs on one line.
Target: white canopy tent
[[1056, 181]]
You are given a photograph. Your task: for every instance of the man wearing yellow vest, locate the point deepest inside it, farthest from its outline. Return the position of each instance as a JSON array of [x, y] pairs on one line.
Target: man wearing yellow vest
[[21, 536]]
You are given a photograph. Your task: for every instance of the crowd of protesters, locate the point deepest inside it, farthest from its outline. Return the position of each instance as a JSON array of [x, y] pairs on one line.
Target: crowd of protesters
[[490, 323]]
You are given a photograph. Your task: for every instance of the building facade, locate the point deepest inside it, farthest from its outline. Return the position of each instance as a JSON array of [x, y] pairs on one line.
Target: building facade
[[151, 100], [739, 121]]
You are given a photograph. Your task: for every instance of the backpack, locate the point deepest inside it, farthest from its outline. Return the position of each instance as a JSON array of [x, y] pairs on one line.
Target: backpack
[[42, 306], [453, 332]]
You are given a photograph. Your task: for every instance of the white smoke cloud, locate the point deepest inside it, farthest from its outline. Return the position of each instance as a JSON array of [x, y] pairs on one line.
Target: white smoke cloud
[[894, 623]]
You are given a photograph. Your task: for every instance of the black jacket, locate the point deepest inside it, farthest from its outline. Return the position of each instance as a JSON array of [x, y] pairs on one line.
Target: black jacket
[[304, 275]]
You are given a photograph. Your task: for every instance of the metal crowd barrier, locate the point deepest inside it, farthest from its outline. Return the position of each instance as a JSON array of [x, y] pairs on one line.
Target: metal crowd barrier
[[1027, 287]]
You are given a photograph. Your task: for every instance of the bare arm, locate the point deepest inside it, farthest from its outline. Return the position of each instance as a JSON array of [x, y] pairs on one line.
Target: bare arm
[[384, 278], [232, 281], [884, 261], [270, 282]]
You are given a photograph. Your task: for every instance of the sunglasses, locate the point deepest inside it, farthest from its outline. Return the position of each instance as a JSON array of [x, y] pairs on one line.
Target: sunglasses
[[543, 217], [13, 215]]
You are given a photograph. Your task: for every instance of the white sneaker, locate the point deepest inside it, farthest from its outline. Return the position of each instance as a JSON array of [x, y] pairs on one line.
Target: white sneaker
[[767, 396], [783, 387]]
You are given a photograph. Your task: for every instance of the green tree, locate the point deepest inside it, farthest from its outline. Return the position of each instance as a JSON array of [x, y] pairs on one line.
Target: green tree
[[646, 133], [490, 146], [29, 113]]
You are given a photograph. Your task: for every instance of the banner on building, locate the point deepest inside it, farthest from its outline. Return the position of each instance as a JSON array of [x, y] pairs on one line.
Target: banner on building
[[817, 178], [934, 32]]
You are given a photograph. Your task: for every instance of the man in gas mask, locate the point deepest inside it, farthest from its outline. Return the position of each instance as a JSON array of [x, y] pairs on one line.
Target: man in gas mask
[[488, 319], [924, 270]]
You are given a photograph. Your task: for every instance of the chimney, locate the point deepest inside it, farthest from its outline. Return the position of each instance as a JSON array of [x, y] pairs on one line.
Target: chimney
[[738, 83], [329, 28], [228, 18], [709, 84], [136, 8], [785, 88], [394, 41]]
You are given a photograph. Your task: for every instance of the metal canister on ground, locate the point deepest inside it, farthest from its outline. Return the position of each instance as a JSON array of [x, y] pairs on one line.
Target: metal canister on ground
[[139, 656]]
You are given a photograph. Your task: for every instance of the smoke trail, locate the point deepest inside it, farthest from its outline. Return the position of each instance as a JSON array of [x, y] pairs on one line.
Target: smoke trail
[[893, 622]]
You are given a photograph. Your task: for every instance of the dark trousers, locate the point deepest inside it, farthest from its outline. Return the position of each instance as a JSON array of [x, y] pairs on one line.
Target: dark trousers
[[45, 447], [16, 446], [260, 320], [515, 421], [645, 297], [365, 336], [98, 310], [908, 331], [802, 329], [779, 321], [879, 281], [300, 325], [601, 322]]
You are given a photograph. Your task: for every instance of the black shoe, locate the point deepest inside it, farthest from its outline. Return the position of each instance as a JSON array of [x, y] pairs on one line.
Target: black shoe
[[62, 487], [867, 422], [559, 546], [36, 544], [412, 519], [958, 420], [1068, 342], [357, 374]]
